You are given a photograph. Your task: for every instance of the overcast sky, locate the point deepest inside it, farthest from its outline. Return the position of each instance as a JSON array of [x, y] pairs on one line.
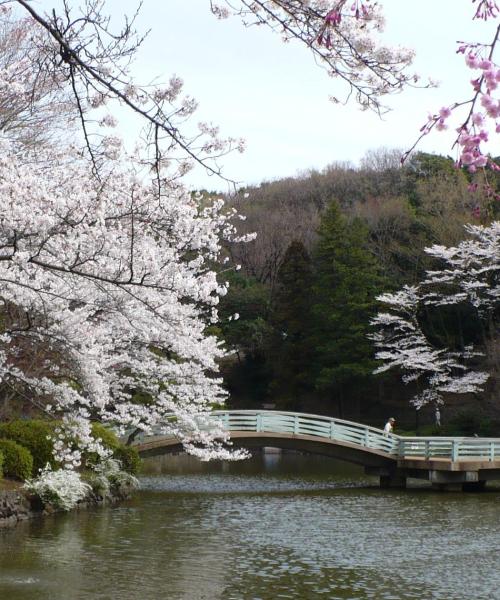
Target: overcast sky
[[273, 94]]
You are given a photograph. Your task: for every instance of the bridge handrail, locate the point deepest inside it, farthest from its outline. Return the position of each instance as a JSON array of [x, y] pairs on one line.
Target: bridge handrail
[[308, 415], [357, 434], [395, 445], [313, 425]]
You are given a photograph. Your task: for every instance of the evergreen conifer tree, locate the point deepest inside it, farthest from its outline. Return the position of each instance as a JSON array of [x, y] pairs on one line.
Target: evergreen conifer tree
[[347, 281]]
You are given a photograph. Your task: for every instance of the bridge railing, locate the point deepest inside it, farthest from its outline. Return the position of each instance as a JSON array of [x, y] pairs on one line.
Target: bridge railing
[[451, 448], [357, 434], [310, 425]]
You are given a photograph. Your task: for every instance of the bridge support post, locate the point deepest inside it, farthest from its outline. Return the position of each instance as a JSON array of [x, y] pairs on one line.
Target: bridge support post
[[388, 477], [393, 481], [465, 481]]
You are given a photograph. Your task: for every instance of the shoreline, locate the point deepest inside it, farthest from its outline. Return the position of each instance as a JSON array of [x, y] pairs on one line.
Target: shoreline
[[16, 505]]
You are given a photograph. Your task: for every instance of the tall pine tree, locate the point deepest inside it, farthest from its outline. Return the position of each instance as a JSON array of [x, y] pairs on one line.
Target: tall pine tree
[[347, 281]]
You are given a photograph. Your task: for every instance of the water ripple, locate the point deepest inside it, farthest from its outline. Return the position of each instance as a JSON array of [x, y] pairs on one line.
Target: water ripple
[[244, 533]]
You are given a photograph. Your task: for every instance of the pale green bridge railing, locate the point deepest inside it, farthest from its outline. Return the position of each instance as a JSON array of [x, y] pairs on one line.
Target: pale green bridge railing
[[371, 438], [330, 430]]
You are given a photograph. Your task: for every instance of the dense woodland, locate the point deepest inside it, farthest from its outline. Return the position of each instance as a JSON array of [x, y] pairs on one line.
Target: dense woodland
[[328, 243]]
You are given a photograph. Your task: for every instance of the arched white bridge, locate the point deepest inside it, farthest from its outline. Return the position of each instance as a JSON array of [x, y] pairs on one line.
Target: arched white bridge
[[442, 460]]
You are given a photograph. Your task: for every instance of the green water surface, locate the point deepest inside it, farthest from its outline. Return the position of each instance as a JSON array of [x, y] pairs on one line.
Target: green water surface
[[274, 527]]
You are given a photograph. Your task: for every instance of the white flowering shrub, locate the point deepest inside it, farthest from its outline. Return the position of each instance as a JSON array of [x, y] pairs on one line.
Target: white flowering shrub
[[111, 470], [99, 484], [108, 480], [62, 489]]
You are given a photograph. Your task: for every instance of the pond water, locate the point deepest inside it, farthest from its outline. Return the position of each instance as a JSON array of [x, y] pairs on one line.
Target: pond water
[[273, 527]]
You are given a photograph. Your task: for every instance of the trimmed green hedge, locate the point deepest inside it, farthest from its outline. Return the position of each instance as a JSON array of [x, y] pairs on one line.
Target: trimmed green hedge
[[18, 462], [33, 434]]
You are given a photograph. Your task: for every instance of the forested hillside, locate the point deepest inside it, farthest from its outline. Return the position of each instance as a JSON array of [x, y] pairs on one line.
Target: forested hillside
[[328, 243]]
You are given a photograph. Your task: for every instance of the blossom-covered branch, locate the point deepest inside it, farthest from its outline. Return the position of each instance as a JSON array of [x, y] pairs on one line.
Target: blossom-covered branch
[[93, 62], [476, 117], [343, 38], [471, 273]]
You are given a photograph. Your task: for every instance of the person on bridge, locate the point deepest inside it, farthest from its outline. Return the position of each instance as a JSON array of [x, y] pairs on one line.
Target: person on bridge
[[437, 417], [389, 426]]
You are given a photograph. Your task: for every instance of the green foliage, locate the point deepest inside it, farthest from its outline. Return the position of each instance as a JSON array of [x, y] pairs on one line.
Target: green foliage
[[108, 438], [347, 283], [466, 423], [1, 464], [127, 455], [430, 430], [129, 459], [246, 371], [18, 462], [247, 379], [424, 165], [423, 431], [290, 350], [250, 300], [469, 423], [35, 435]]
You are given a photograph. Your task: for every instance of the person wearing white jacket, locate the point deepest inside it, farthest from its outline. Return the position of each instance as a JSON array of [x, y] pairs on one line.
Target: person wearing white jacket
[[389, 426]]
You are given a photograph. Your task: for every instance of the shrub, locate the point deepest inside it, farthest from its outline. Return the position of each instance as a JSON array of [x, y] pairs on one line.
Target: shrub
[[18, 462], [35, 436], [129, 459], [1, 465], [99, 484], [120, 481], [126, 455], [469, 423], [108, 479], [109, 439], [62, 489]]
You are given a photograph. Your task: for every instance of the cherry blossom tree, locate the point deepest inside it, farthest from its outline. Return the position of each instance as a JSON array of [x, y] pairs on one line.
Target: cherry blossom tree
[[106, 261], [470, 274], [35, 106], [114, 283]]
